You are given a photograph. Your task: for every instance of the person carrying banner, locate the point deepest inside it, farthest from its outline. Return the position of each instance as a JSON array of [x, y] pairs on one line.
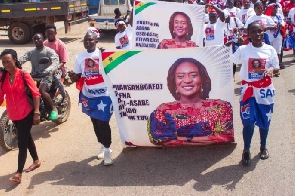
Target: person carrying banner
[[192, 119], [123, 38], [181, 30], [94, 95], [257, 90], [214, 30]]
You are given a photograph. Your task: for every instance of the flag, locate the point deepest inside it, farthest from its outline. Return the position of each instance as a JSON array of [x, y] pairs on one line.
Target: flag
[[112, 59]]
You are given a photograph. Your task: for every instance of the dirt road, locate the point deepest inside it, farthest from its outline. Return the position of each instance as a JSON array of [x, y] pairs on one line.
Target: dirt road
[[69, 165]]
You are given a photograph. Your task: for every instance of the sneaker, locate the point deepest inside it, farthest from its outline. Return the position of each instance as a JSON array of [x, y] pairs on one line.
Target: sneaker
[[246, 157], [101, 152], [107, 158], [53, 115], [264, 153]]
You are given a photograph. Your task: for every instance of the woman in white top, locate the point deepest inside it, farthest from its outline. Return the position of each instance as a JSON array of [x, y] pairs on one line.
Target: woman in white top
[[259, 61]]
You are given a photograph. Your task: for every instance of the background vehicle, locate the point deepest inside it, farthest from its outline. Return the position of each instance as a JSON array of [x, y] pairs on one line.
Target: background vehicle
[[8, 132], [104, 16], [24, 19]]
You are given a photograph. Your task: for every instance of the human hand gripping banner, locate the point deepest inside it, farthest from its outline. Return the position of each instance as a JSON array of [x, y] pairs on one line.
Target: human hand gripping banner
[[172, 97], [166, 25]]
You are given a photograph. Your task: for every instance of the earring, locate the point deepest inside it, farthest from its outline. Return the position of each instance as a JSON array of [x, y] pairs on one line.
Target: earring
[[176, 91]]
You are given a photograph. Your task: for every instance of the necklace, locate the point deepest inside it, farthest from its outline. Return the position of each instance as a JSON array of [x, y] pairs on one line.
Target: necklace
[[11, 77]]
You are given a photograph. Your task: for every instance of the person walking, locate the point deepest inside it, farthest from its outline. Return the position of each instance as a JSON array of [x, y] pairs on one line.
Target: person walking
[[13, 85], [257, 90], [95, 99]]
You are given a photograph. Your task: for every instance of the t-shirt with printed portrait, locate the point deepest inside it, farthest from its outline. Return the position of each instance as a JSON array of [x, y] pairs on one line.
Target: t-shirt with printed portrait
[[124, 39], [244, 14], [214, 33], [255, 60]]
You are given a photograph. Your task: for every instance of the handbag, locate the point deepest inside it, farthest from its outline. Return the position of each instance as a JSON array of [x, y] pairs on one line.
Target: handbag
[[28, 90]]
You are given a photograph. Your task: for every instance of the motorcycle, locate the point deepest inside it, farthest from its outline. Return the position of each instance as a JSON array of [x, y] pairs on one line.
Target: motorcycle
[[8, 132]]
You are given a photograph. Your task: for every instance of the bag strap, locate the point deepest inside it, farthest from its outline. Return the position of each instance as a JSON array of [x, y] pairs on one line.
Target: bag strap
[[23, 77]]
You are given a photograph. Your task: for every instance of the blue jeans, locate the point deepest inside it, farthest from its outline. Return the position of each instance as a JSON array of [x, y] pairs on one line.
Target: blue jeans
[[248, 132]]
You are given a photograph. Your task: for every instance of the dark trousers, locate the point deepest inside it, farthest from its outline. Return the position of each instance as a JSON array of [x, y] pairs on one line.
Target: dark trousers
[[102, 131], [248, 132], [25, 140]]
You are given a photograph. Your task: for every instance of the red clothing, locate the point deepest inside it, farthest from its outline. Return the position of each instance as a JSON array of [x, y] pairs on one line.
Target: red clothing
[[17, 103], [60, 49], [287, 8], [170, 43]]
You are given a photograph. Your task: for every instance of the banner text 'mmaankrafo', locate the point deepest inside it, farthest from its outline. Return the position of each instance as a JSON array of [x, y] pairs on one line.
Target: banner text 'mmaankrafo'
[[138, 87]]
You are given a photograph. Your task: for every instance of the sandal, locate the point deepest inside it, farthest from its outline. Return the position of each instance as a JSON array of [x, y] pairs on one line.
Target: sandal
[[33, 166], [17, 178]]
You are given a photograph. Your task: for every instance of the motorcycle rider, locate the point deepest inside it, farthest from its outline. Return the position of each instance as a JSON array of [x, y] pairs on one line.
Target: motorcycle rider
[[34, 56]]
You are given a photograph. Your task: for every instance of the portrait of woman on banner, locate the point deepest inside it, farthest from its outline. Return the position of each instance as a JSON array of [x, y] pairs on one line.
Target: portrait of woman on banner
[[181, 29], [193, 118]]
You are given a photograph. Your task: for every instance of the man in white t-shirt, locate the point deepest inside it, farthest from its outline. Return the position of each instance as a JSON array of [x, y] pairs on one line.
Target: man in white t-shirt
[[94, 96], [214, 30], [123, 38]]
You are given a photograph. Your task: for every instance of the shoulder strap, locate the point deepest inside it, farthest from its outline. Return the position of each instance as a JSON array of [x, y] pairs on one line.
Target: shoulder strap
[[23, 76]]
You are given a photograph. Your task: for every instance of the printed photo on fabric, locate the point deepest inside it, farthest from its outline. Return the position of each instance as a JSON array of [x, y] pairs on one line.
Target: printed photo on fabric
[[209, 31], [157, 24], [188, 100], [124, 41], [256, 68], [91, 66]]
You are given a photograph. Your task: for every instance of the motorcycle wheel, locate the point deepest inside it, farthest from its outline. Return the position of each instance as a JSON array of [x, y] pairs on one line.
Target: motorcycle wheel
[[8, 133], [63, 111]]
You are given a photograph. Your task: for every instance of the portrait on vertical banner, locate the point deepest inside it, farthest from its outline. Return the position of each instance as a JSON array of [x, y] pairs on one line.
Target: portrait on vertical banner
[[166, 25]]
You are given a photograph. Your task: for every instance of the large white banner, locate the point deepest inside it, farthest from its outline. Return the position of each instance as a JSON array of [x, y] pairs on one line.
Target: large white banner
[[172, 97], [163, 25]]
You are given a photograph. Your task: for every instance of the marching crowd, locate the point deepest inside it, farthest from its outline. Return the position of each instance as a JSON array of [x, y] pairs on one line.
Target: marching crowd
[[257, 31]]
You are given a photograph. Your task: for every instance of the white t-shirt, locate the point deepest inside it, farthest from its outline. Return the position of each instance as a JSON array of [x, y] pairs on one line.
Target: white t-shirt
[[248, 54], [214, 33], [124, 39], [233, 11], [88, 65], [244, 14], [271, 32], [229, 32], [265, 21]]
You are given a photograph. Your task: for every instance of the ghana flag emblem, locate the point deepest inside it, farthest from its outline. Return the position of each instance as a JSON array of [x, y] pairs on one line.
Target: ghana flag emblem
[[111, 60], [139, 6]]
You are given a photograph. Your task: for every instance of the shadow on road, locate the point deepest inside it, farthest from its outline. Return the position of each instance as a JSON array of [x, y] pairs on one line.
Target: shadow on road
[[40, 131], [150, 167]]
